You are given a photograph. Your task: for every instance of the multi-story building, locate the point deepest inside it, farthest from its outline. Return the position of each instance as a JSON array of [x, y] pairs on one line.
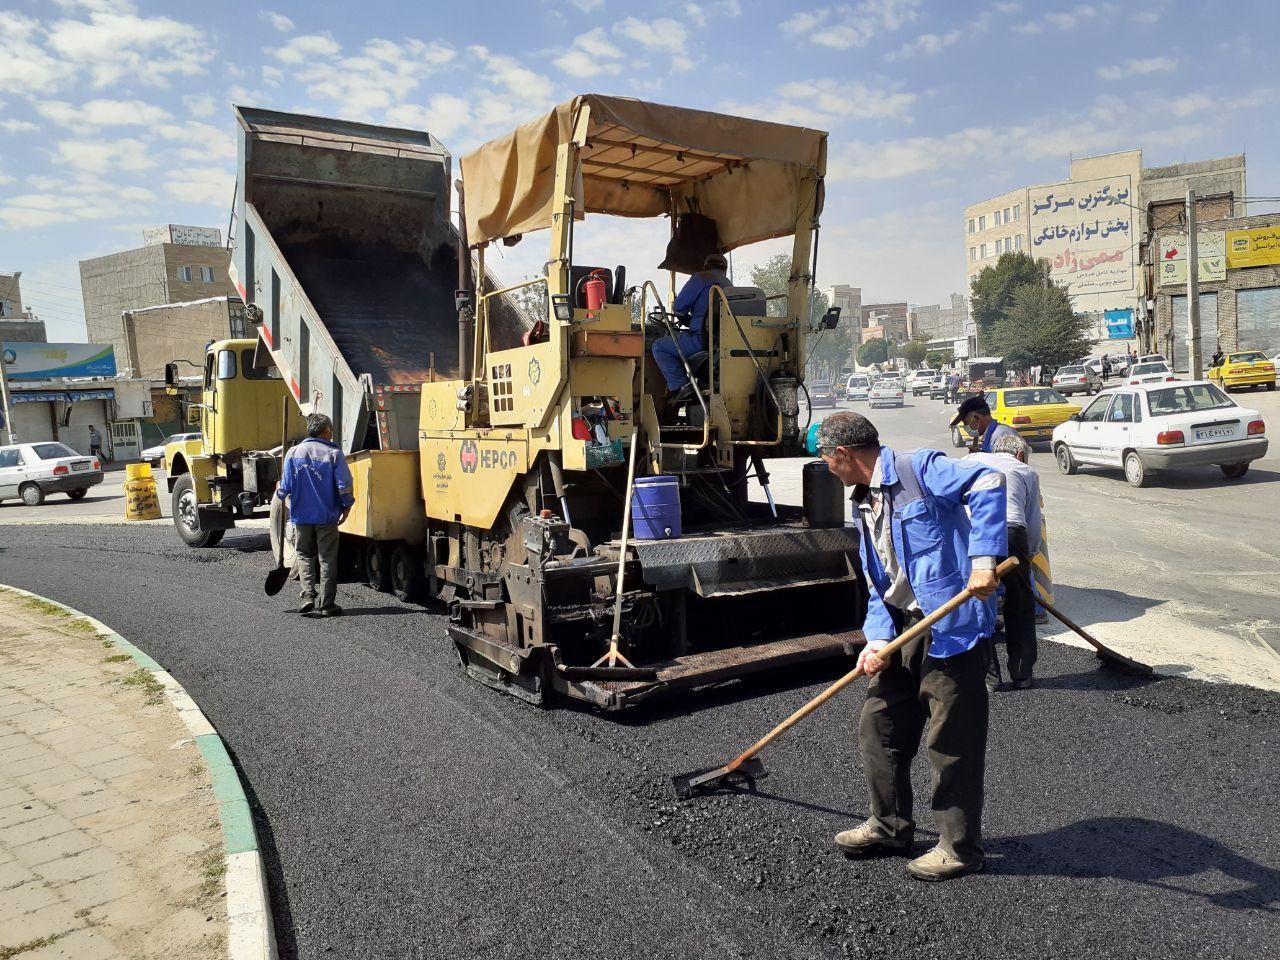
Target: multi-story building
[[849, 300], [1090, 228], [177, 331], [884, 321], [935, 322], [17, 325], [160, 272]]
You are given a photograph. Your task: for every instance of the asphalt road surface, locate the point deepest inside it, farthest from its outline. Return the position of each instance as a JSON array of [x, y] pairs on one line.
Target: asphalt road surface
[[407, 812]]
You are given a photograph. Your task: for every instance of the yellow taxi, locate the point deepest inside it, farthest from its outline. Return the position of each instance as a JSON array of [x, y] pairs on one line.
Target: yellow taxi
[[1032, 411], [1247, 368]]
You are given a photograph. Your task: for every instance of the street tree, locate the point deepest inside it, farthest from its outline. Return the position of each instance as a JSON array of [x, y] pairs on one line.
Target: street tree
[[873, 351], [829, 350], [992, 289], [1040, 329], [915, 352]]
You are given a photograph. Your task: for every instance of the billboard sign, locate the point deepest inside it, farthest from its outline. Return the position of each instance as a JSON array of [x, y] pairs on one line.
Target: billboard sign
[[47, 361], [186, 236], [1211, 252], [1085, 230], [1119, 324], [1259, 247]]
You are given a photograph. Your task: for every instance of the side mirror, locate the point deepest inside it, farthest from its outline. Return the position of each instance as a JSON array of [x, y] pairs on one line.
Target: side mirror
[[171, 374], [193, 415], [1074, 418], [830, 319]]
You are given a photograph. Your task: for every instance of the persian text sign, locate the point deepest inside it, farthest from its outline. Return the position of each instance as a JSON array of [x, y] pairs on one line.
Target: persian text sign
[[1211, 252], [1259, 247], [45, 361], [1086, 232]]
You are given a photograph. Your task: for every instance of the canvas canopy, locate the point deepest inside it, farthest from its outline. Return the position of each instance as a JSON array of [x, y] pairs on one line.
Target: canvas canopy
[[752, 177]]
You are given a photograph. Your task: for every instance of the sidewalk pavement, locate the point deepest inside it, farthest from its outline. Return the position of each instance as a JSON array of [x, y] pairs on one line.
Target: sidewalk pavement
[[110, 843]]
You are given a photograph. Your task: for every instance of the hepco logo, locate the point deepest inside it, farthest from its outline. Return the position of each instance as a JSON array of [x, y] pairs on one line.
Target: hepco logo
[[468, 456]]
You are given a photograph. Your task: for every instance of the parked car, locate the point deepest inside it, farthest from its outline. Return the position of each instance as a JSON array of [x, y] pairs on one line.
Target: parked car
[[938, 387], [1152, 358], [1156, 426], [887, 392], [919, 381], [1076, 379], [31, 471], [155, 455], [857, 386], [1247, 368], [1033, 411], [820, 394], [1156, 371]]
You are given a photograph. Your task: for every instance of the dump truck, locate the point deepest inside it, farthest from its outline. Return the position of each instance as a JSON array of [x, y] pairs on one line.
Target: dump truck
[[496, 456]]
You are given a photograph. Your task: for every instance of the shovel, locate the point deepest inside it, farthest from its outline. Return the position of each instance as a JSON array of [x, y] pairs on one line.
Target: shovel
[[277, 578], [747, 767]]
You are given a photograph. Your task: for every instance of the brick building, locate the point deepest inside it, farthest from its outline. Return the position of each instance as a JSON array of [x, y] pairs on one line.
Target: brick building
[[883, 321]]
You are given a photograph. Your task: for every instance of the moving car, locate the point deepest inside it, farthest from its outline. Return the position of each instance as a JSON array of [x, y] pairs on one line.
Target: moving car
[[155, 455], [1156, 426], [938, 387], [1156, 371], [1077, 378], [886, 392], [857, 386], [919, 381], [30, 471], [1033, 411], [1247, 368], [1152, 358], [821, 394]]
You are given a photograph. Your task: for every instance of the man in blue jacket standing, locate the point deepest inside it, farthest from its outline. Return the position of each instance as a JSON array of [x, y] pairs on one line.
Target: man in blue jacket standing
[[317, 482], [919, 549]]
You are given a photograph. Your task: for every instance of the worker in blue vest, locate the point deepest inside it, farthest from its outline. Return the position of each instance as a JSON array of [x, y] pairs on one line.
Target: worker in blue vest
[[920, 547], [975, 414], [691, 304]]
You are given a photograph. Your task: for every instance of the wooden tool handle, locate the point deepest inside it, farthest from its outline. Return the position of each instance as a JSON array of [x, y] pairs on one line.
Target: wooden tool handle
[[898, 642]]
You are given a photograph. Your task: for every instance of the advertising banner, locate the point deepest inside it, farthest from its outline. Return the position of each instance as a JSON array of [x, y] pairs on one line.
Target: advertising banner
[[1259, 247], [1085, 230], [1119, 324], [1211, 251], [46, 361]]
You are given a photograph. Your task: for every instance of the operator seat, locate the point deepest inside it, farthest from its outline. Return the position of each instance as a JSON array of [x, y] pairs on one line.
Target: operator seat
[[745, 302]]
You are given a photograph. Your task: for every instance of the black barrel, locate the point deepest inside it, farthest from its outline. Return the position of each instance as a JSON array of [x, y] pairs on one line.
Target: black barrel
[[824, 499]]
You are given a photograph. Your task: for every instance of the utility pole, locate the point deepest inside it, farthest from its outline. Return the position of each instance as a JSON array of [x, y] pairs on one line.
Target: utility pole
[[1193, 291], [4, 399]]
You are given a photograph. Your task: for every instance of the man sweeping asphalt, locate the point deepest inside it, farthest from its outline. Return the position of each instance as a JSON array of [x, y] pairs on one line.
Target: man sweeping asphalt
[[919, 547], [317, 482]]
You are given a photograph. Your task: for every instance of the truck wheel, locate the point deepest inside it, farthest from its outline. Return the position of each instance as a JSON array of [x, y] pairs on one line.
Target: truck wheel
[[78, 494], [186, 518], [31, 494], [279, 525], [1134, 470], [377, 566], [407, 580], [1234, 471]]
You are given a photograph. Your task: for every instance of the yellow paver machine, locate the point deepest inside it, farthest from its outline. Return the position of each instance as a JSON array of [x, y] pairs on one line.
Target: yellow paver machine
[[531, 461]]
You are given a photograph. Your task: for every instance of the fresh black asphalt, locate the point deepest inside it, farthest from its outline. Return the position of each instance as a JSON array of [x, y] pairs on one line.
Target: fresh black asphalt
[[407, 812]]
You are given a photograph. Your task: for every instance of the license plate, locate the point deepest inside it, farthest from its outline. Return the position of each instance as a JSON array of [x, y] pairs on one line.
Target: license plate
[[77, 467], [1214, 433]]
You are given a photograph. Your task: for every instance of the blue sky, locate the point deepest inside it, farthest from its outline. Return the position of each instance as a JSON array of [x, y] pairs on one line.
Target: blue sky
[[114, 115]]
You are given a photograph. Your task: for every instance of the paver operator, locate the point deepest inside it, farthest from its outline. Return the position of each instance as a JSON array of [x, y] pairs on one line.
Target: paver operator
[[1009, 455], [920, 548], [317, 481], [975, 414], [692, 302]]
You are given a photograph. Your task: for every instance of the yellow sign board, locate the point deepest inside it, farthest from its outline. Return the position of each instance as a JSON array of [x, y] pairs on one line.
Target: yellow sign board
[[1258, 247]]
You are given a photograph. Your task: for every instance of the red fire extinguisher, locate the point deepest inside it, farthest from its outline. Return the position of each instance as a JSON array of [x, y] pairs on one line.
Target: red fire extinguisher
[[594, 290]]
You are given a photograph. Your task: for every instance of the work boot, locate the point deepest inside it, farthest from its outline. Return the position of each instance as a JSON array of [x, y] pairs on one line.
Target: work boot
[[307, 607], [866, 839], [1026, 683], [937, 864], [332, 610]]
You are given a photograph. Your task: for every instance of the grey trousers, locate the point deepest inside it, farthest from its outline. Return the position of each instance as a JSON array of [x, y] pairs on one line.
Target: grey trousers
[[1019, 609], [317, 547], [951, 695]]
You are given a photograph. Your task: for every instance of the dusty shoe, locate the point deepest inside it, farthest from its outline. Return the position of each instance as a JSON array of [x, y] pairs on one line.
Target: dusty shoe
[[937, 864], [866, 839], [332, 610], [1026, 683], [307, 607]]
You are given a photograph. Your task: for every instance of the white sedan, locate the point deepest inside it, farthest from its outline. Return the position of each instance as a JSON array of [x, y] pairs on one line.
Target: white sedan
[[885, 393], [1157, 371], [1157, 426], [29, 471], [155, 455]]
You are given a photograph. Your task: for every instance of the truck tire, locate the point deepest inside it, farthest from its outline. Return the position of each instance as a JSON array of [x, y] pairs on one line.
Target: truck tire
[[31, 494], [186, 518], [377, 566], [408, 582], [279, 521]]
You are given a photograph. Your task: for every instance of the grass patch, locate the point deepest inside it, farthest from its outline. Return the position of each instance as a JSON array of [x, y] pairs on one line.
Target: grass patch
[[117, 658], [67, 619], [21, 948], [146, 681], [213, 867]]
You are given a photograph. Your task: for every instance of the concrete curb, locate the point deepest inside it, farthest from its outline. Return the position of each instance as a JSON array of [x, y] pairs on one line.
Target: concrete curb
[[249, 932]]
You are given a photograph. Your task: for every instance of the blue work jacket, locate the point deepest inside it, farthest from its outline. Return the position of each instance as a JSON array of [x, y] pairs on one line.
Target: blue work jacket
[[692, 300], [317, 482], [934, 539]]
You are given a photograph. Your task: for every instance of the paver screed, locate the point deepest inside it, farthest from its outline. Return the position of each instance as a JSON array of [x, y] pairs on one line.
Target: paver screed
[[109, 837]]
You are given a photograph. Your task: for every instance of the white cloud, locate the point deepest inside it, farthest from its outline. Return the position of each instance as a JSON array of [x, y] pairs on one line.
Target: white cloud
[[825, 103], [850, 26], [926, 45], [1012, 6], [115, 46], [201, 106], [18, 126], [894, 159], [591, 54], [1137, 68], [212, 185], [277, 20], [27, 68], [199, 141], [661, 35], [382, 75], [307, 48], [442, 117], [99, 156], [587, 6], [95, 114], [1069, 19]]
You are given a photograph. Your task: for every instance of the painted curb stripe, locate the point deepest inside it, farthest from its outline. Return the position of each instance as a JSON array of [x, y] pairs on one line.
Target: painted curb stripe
[[249, 932]]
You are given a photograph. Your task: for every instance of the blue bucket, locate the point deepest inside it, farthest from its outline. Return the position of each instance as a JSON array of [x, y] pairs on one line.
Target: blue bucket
[[655, 508]]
